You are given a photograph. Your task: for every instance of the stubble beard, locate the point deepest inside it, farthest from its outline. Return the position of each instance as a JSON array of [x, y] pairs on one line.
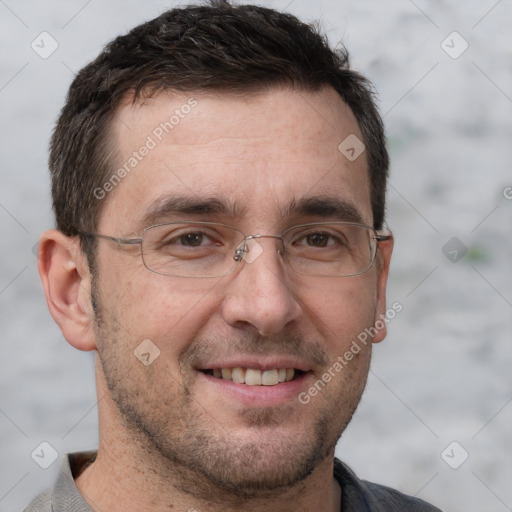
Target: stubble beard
[[177, 439]]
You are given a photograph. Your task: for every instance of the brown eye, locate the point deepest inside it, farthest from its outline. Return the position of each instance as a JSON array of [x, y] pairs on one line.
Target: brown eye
[[192, 239], [318, 240]]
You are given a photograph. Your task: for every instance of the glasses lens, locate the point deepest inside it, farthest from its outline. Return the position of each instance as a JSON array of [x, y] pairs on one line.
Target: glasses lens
[[337, 249], [190, 249]]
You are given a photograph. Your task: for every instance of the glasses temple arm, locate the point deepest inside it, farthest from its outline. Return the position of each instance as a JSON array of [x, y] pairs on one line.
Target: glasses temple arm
[[122, 241]]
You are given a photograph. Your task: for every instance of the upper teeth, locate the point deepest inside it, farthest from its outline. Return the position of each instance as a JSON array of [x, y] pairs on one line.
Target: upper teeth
[[254, 377]]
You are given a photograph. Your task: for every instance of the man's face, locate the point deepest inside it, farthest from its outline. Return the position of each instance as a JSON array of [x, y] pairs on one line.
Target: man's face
[[261, 156]]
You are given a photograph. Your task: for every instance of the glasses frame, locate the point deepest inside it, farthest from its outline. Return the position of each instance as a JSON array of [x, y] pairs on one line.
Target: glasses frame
[[241, 248]]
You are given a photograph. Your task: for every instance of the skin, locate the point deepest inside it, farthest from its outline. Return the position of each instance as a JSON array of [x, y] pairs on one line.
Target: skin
[[171, 439]]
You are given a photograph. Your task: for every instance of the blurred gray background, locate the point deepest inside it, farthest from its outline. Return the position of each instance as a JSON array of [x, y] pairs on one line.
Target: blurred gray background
[[436, 417]]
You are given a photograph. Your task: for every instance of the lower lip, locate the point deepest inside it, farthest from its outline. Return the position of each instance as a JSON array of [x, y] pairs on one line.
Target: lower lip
[[262, 396]]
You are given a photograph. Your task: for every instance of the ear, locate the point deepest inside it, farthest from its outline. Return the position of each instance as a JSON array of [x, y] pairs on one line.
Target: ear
[[383, 260], [66, 282]]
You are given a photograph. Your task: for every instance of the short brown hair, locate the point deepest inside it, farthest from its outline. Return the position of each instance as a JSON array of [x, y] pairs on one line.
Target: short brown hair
[[215, 47]]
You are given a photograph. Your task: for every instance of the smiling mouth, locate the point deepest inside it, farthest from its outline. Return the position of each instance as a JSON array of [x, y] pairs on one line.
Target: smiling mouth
[[254, 376]]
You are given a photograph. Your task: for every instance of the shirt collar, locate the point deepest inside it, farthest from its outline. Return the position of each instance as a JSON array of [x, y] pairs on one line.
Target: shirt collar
[[65, 496]]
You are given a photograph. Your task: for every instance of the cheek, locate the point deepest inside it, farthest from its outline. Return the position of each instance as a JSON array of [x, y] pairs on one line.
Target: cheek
[[341, 308], [158, 307]]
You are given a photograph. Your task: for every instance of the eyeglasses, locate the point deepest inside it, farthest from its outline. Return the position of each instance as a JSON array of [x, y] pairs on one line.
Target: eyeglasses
[[208, 249]]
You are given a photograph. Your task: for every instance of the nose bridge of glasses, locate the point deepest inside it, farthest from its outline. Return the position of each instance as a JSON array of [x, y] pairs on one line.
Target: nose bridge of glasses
[[249, 249]]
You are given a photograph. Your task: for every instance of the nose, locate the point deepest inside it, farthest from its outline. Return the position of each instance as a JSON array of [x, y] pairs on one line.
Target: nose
[[260, 296]]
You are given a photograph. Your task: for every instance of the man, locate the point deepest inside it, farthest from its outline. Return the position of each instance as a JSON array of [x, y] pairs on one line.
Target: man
[[218, 178]]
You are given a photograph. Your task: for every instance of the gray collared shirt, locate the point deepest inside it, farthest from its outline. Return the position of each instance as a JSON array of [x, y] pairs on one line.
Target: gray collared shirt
[[65, 496], [357, 495]]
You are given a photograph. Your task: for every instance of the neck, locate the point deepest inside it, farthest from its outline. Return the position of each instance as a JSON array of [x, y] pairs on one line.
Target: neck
[[118, 483]]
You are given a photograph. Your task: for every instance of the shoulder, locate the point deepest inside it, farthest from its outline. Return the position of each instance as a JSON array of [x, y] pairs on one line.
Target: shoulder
[[386, 499], [64, 497], [41, 503], [361, 495]]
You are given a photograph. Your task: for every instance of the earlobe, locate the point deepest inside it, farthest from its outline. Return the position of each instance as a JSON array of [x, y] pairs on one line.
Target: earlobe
[[67, 284], [384, 259]]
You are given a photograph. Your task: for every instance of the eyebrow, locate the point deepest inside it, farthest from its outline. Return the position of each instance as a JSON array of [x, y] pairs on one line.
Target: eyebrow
[[324, 206], [315, 206], [183, 205]]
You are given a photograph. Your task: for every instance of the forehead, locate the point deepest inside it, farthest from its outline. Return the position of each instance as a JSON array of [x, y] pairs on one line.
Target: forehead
[[260, 153]]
